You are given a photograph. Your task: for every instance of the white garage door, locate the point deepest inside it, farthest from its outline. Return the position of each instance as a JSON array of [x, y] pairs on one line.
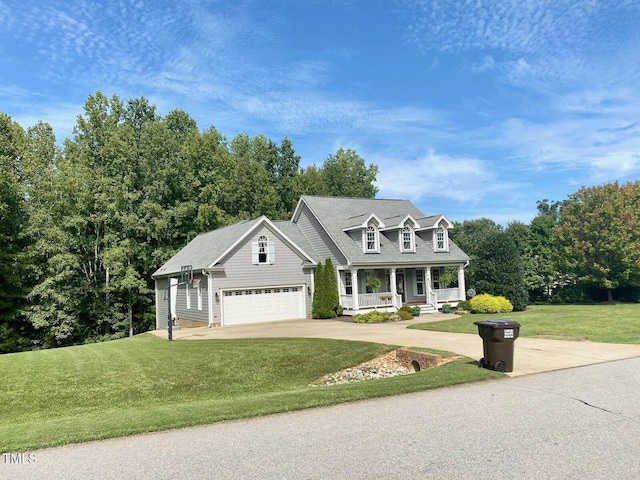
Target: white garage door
[[262, 305]]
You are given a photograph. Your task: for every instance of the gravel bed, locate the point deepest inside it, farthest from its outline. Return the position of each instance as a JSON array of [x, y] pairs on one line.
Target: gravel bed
[[384, 366]]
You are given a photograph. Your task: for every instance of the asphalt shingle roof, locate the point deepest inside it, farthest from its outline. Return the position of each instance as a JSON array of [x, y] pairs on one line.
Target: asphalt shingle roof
[[205, 248], [337, 214]]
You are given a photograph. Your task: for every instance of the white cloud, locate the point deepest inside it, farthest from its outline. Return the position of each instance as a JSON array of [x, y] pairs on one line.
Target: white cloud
[[433, 175]]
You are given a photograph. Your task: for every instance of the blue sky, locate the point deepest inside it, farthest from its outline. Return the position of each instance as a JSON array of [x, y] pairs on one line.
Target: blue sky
[[469, 108]]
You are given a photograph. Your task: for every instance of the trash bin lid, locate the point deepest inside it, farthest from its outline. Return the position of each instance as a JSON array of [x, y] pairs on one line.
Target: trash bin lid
[[498, 323]]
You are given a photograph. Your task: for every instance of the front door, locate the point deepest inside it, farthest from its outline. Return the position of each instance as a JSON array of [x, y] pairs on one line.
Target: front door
[[400, 286]]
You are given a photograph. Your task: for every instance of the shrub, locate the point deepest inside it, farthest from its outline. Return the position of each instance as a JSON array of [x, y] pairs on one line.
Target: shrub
[[404, 315], [464, 305], [374, 317], [331, 287], [325, 296], [406, 308], [504, 304], [485, 303]]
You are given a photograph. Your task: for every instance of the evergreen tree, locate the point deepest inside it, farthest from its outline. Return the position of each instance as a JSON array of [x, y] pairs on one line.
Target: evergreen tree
[[331, 285], [317, 308], [500, 271]]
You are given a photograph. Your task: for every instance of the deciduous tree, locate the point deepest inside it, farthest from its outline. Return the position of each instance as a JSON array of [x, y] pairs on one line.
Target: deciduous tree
[[346, 175], [598, 234]]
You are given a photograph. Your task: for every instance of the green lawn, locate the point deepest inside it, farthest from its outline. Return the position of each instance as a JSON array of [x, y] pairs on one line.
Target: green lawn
[[141, 384], [608, 323]]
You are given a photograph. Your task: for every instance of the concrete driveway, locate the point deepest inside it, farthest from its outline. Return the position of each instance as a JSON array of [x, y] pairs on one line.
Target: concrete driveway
[[531, 355]]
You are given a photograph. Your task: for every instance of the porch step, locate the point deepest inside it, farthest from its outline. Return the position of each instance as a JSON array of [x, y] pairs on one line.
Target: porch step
[[424, 309]]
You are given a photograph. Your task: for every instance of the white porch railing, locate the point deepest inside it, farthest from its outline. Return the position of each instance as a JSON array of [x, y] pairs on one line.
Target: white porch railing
[[385, 299], [432, 298], [372, 300], [448, 295]]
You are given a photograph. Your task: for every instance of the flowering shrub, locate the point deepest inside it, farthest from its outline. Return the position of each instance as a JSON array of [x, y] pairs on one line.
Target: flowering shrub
[[505, 305], [485, 303]]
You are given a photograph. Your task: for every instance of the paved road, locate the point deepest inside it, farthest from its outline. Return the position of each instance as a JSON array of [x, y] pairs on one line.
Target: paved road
[[578, 423]]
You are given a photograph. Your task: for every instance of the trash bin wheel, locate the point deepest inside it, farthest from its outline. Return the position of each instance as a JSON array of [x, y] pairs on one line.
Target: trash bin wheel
[[500, 366], [481, 363]]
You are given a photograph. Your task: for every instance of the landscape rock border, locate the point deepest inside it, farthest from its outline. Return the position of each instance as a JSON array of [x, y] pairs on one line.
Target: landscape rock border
[[387, 365]]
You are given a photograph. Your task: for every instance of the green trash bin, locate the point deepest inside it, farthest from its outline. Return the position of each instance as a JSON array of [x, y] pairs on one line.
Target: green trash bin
[[498, 337]]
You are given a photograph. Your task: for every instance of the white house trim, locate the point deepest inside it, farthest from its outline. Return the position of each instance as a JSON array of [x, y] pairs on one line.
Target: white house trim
[[262, 221]]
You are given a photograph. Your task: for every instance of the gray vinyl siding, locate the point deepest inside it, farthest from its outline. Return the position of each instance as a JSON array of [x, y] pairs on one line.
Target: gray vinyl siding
[[393, 236], [356, 236], [319, 239], [410, 286], [193, 313], [162, 311], [241, 274], [182, 312]]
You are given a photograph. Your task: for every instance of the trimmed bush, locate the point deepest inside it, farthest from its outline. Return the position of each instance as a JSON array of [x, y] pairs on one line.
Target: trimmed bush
[[485, 303], [323, 302], [404, 315], [464, 305], [376, 317], [326, 300], [331, 286], [406, 308], [505, 305]]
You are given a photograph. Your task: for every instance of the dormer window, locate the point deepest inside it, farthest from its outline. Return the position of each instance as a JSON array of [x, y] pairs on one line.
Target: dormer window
[[407, 239], [371, 239], [441, 240]]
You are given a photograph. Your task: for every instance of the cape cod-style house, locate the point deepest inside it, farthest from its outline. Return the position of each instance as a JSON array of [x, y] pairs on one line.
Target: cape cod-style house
[[262, 270]]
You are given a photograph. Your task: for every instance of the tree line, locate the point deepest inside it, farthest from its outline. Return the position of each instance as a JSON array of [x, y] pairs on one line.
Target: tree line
[[585, 248], [83, 226]]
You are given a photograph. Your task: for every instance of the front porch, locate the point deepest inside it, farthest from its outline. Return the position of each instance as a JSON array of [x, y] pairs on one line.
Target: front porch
[[399, 286]]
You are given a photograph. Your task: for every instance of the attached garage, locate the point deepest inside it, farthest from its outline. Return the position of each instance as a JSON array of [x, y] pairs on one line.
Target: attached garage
[[258, 305]]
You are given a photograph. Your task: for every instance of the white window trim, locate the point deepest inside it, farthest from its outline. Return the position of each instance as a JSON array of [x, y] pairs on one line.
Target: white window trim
[[412, 238], [376, 240], [199, 287], [270, 251], [187, 290], [445, 239], [415, 282]]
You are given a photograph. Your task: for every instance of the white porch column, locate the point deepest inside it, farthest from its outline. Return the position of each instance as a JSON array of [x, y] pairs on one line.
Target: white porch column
[[354, 289], [394, 286], [427, 280], [461, 286]]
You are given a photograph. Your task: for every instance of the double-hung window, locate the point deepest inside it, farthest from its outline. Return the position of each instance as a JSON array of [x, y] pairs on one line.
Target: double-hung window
[[371, 239], [407, 239], [441, 240], [419, 282]]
